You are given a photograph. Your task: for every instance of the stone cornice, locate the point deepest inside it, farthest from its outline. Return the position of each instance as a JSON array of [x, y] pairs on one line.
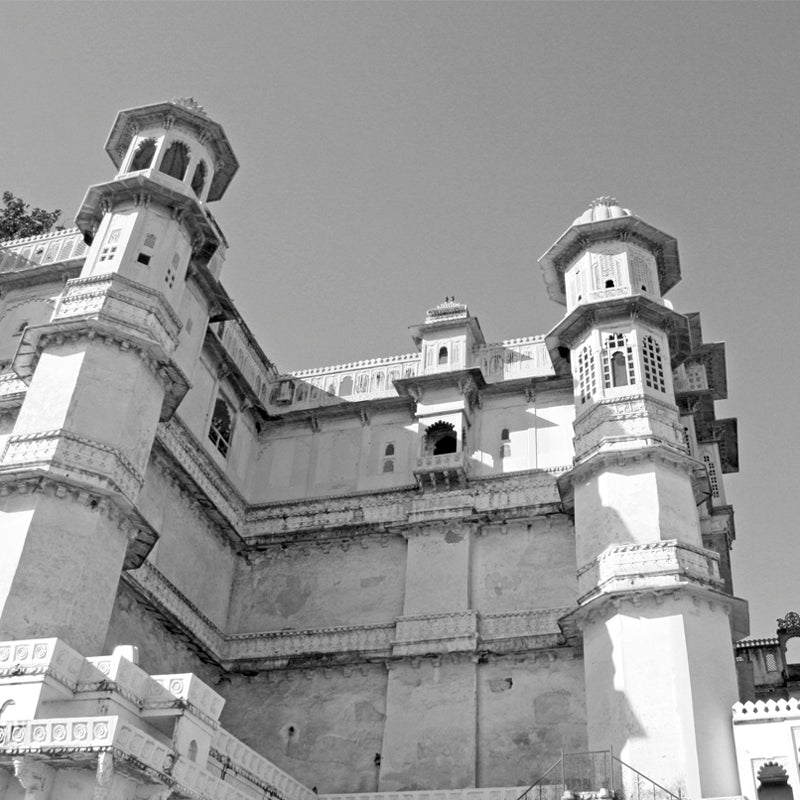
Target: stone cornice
[[414, 636], [193, 468], [493, 498], [116, 311], [92, 465], [140, 534]]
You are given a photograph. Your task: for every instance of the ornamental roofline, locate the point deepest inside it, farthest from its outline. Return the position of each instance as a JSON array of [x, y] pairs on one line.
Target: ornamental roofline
[[614, 223], [183, 113]]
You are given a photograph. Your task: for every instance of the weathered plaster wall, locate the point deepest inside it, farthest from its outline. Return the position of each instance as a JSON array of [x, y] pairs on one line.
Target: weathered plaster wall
[[520, 566], [430, 738], [33, 305], [345, 455], [530, 708], [191, 552], [322, 726], [160, 650], [313, 588]]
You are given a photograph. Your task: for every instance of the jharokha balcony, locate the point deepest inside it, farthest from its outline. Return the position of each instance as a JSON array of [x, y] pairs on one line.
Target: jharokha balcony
[[447, 471]]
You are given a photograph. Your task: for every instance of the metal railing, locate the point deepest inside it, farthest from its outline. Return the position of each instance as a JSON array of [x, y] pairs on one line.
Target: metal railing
[[595, 773]]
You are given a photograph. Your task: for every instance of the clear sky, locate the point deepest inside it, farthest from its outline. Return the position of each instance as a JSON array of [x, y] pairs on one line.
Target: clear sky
[[395, 153]]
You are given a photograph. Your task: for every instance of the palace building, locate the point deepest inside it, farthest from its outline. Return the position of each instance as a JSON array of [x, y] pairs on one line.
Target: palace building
[[434, 575]]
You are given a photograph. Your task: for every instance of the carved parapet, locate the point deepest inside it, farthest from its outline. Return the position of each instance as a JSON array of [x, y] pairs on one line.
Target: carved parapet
[[634, 567], [193, 692], [48, 659], [67, 733], [766, 709], [436, 633], [442, 472], [94, 465]]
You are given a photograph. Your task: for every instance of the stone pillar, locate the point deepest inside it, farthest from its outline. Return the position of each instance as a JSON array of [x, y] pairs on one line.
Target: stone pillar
[[430, 737], [100, 379]]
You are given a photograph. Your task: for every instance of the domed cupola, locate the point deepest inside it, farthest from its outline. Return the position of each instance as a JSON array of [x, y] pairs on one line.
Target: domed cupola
[[608, 252], [600, 209]]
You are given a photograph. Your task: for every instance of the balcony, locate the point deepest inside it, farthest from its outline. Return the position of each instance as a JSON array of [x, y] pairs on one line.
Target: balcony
[[448, 471]]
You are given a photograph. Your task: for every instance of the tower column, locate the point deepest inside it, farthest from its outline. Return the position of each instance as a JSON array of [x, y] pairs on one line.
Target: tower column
[[102, 373], [656, 622]]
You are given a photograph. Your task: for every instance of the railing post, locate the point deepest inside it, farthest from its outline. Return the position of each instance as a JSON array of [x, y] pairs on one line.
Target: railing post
[[611, 769], [563, 778]]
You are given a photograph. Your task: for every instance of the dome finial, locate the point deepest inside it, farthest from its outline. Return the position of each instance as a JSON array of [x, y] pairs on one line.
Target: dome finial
[[604, 207]]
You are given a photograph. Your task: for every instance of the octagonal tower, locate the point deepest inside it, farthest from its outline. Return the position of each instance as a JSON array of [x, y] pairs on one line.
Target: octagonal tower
[[656, 622], [106, 369]]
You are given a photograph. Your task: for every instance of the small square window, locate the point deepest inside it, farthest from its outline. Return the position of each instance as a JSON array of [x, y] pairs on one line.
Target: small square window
[[143, 258]]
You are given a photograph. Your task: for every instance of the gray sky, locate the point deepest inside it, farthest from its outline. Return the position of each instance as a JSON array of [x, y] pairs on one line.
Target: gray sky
[[395, 153]]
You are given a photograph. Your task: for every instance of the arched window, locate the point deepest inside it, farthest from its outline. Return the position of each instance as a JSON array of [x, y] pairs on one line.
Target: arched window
[[143, 157], [619, 375], [505, 444], [773, 782], [221, 428], [199, 178], [618, 369], [346, 386], [389, 451], [175, 160], [442, 355], [440, 439], [388, 465], [192, 750]]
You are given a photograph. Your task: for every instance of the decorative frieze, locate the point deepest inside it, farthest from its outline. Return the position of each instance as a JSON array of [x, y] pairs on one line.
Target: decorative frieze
[[521, 630], [116, 299], [436, 633], [99, 466], [496, 497], [651, 565], [613, 421], [278, 647]]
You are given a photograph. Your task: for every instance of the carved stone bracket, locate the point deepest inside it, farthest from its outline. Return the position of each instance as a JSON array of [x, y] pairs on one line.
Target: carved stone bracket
[[35, 777]]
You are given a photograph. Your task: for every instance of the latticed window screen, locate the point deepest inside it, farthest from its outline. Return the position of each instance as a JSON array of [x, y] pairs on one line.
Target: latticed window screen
[[653, 365], [713, 480], [221, 428], [641, 272], [772, 662], [587, 378], [618, 366], [605, 271], [696, 376]]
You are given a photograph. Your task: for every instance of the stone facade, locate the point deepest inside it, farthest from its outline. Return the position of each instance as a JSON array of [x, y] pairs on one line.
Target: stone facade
[[430, 572]]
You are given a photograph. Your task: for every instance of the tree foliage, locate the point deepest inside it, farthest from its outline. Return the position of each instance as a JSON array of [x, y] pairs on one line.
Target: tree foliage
[[18, 219]]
